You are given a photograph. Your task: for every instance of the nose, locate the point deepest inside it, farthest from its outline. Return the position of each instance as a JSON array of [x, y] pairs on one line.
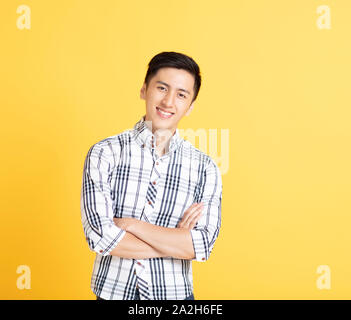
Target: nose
[[168, 100]]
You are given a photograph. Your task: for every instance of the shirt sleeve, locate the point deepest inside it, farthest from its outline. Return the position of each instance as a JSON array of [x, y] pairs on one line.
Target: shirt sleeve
[[206, 231], [96, 204]]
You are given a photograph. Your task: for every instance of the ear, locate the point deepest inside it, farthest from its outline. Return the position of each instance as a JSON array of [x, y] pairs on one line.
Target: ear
[[189, 110], [143, 92]]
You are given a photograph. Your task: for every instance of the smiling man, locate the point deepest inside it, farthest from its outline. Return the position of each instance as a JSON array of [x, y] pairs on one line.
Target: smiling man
[[150, 200]]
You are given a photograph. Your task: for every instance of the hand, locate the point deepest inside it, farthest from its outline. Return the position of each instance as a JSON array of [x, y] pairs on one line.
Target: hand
[[191, 216], [124, 223]]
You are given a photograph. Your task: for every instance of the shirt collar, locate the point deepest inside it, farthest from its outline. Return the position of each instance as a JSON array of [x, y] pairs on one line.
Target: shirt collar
[[145, 138]]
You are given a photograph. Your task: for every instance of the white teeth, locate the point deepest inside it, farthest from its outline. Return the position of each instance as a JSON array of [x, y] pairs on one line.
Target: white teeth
[[165, 113]]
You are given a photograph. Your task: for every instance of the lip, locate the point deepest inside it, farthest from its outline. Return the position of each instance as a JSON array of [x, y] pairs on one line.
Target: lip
[[162, 116]]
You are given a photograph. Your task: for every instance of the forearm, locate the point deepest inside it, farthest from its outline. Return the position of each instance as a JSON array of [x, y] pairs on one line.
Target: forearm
[[131, 247], [174, 242]]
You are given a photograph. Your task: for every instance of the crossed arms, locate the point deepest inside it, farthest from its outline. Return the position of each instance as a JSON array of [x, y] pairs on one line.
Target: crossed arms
[[193, 238], [144, 240]]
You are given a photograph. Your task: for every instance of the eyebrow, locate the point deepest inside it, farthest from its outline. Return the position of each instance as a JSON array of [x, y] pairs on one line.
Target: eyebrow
[[167, 85]]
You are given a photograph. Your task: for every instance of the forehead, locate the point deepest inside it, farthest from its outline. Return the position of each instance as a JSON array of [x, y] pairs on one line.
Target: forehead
[[175, 78]]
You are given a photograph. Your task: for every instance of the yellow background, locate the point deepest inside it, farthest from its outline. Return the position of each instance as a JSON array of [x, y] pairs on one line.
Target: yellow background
[[276, 81]]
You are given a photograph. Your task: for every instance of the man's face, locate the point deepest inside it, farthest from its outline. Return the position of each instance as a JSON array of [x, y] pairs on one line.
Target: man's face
[[169, 91]]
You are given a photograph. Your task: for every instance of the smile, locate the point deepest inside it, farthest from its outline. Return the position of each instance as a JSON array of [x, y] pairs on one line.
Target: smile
[[163, 114]]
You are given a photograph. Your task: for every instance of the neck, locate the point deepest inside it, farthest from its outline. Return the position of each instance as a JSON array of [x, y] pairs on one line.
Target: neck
[[163, 138]]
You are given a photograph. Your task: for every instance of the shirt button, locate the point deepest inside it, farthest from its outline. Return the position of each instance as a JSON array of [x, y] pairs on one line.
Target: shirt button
[[101, 251], [154, 182], [143, 145], [203, 259], [157, 163], [149, 202]]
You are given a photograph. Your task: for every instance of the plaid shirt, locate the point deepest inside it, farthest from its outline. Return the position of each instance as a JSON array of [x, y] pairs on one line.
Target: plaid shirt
[[124, 177]]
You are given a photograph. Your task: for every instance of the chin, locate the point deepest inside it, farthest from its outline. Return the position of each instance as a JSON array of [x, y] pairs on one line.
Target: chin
[[159, 123]]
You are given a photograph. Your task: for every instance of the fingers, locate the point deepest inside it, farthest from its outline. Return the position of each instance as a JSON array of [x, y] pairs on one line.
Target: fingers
[[191, 216], [195, 219], [191, 211]]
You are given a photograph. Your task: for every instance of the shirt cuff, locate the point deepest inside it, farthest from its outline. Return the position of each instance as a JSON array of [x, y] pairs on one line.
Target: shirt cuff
[[200, 244], [109, 240]]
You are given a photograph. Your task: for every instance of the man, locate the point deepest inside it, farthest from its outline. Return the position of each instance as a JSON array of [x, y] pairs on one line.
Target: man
[[150, 201]]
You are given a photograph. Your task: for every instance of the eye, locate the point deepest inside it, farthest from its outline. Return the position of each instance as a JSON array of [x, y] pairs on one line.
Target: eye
[[161, 87], [183, 95]]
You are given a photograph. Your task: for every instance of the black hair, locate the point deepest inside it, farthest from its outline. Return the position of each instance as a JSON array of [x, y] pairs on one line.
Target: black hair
[[174, 60]]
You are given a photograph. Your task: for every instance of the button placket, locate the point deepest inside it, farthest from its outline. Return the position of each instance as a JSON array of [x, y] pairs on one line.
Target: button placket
[[139, 268], [152, 142], [155, 175]]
